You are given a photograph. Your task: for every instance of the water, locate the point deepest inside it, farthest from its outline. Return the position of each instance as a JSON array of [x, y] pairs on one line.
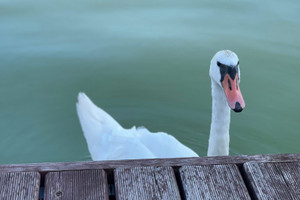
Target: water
[[146, 63]]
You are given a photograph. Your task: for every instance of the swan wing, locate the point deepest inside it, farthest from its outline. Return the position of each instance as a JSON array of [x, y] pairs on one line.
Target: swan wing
[[164, 145], [95, 123], [139, 143], [108, 140]]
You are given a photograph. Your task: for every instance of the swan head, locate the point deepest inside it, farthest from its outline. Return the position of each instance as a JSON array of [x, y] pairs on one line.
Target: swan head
[[224, 71]]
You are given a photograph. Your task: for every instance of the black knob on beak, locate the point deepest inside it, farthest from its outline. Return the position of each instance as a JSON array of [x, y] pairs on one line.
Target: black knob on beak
[[238, 107]]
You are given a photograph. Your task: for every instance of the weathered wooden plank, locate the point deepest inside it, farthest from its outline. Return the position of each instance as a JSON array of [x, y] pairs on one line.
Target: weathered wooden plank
[[47, 167], [274, 180], [83, 184], [213, 182], [291, 175], [146, 183], [19, 185]]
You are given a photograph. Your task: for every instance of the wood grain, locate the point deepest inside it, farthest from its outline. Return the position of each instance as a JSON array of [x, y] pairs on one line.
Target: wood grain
[[213, 182], [83, 184], [19, 185], [291, 175], [266, 177], [47, 167], [274, 180], [146, 183]]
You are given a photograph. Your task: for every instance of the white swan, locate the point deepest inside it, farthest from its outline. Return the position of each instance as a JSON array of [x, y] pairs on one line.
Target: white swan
[[108, 140]]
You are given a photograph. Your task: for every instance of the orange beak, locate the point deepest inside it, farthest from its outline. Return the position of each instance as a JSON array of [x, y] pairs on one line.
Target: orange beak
[[233, 93]]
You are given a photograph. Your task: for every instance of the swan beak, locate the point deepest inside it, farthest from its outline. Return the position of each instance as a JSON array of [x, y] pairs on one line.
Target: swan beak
[[233, 93]]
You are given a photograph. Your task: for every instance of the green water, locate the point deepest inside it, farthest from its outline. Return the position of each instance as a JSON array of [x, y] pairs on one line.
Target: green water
[[146, 63]]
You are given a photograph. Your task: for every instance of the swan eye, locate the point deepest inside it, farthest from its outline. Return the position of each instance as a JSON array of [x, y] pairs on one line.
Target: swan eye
[[219, 64], [238, 63]]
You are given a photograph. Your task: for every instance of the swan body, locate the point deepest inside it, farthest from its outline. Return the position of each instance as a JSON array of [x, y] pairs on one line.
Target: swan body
[[108, 140]]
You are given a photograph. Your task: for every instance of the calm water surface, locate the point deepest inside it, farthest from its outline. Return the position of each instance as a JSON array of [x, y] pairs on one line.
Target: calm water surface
[[146, 63]]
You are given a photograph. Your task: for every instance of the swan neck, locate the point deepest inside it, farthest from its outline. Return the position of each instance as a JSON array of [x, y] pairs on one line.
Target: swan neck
[[219, 130]]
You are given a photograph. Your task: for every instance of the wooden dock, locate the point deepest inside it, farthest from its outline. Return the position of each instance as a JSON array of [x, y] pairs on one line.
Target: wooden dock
[[228, 177]]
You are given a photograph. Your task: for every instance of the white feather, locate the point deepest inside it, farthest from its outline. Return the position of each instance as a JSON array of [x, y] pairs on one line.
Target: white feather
[[107, 140]]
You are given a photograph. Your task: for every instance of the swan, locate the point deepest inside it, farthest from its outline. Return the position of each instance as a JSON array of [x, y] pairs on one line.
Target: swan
[[108, 140]]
